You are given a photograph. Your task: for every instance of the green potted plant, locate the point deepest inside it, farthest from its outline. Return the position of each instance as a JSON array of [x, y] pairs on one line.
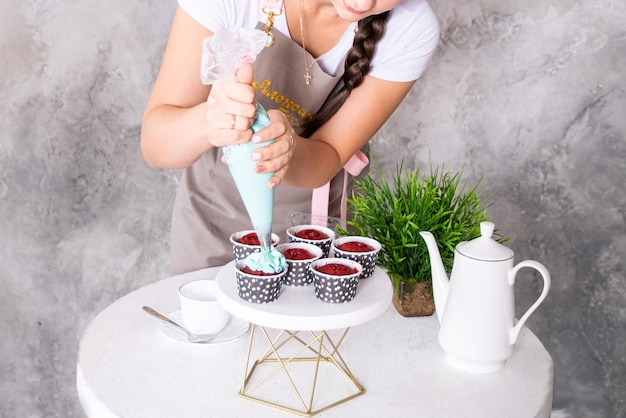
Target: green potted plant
[[394, 212]]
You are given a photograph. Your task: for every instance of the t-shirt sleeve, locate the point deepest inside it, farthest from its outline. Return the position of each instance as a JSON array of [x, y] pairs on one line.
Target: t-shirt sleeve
[[410, 39], [221, 14]]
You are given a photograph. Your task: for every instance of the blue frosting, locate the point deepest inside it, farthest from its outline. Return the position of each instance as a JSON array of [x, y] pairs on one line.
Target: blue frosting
[[272, 261]]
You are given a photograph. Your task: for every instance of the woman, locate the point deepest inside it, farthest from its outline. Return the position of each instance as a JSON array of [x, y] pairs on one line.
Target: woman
[[335, 73]]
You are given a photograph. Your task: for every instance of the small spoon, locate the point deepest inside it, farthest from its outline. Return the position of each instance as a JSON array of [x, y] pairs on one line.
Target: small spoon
[[193, 338]]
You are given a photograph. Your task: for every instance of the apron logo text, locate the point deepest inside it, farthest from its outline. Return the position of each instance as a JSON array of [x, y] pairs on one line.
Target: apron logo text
[[287, 106]]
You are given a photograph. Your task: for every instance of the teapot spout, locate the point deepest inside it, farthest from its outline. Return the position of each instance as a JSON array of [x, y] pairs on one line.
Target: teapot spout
[[441, 283]]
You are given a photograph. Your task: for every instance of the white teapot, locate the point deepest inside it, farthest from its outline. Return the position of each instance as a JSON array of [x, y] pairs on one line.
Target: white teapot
[[476, 306]]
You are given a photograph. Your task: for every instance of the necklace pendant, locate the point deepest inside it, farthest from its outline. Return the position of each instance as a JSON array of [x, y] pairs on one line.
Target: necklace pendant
[[307, 77]]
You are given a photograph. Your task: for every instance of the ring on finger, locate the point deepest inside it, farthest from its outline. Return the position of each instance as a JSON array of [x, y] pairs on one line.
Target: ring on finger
[[232, 123]]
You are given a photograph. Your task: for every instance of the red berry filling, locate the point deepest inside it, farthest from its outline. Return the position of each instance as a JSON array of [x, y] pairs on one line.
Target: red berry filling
[[297, 254], [248, 270], [355, 247], [336, 269], [311, 234], [251, 239]]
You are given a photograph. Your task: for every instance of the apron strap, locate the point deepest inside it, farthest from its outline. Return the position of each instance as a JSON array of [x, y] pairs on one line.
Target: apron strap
[[321, 195], [271, 8], [354, 166]]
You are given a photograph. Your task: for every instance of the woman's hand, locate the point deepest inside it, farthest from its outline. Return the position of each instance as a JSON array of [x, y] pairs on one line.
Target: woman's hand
[[277, 155], [231, 109]]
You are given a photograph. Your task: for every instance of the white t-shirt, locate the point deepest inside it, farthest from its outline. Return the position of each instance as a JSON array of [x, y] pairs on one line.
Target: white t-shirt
[[402, 54]]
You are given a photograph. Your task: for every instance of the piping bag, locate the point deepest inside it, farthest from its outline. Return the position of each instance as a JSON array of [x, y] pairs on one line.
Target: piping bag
[[221, 55]]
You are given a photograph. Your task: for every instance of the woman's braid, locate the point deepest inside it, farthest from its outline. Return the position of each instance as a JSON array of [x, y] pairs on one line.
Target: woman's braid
[[357, 65]]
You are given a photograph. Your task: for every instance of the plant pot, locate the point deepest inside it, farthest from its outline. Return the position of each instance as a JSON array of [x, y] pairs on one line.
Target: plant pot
[[413, 299]]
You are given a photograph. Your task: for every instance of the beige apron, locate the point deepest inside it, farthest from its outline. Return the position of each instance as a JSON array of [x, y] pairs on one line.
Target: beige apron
[[208, 208]]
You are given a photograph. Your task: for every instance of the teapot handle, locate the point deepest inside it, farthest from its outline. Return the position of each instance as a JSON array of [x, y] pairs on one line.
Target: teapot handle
[[546, 288]]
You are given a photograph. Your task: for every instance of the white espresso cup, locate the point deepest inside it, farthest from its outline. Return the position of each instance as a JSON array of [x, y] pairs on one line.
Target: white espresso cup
[[199, 309]]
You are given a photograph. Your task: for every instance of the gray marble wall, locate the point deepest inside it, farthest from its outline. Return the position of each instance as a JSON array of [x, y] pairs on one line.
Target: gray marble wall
[[531, 95]]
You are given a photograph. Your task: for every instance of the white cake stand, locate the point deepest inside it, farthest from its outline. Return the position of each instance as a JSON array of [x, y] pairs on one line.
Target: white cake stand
[[301, 337]]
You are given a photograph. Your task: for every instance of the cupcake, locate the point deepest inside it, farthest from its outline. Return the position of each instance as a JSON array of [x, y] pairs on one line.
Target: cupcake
[[257, 286], [361, 249], [312, 234], [247, 242], [335, 279], [299, 256]]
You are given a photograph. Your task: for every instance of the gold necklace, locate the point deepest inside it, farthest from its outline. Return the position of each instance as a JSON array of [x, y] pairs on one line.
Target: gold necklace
[[307, 67]]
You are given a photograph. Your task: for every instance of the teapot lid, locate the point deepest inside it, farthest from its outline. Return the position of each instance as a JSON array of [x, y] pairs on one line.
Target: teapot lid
[[484, 247]]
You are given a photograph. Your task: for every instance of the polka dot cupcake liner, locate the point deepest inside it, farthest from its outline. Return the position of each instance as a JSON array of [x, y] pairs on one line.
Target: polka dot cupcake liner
[[241, 251], [298, 271], [366, 259], [258, 289], [335, 289]]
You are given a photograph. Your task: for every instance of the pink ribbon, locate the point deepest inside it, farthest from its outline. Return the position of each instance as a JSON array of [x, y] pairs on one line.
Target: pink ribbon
[[274, 6], [319, 203]]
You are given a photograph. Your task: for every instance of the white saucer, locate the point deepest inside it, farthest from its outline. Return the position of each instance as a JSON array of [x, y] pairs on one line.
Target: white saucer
[[234, 330]]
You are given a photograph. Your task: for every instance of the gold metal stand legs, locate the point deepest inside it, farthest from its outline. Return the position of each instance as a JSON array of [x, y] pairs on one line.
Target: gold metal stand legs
[[293, 363]]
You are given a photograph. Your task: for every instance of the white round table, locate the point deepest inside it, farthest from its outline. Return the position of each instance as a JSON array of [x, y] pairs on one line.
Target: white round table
[[127, 367]]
